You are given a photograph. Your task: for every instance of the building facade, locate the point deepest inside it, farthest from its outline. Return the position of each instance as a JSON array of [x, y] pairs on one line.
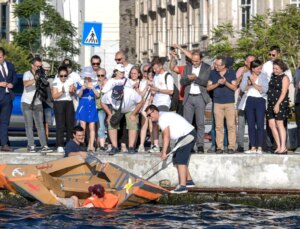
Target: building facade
[[162, 23]]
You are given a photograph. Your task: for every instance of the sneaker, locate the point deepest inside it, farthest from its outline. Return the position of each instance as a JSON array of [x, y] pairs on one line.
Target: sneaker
[[31, 149], [200, 150], [240, 149], [297, 150], [230, 151], [250, 151], [219, 151], [180, 189], [131, 150], [124, 150], [141, 149], [212, 149], [60, 149], [154, 149], [259, 151], [46, 149], [102, 149], [113, 151], [190, 184]]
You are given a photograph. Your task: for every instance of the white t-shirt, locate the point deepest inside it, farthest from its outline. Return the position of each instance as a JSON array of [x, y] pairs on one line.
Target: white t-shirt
[[109, 85], [29, 91], [58, 84], [159, 82], [127, 70], [179, 127], [268, 69], [130, 100], [195, 88]]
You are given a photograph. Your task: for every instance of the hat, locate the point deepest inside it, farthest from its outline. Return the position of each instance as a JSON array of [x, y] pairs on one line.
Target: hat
[[46, 65], [117, 92], [120, 67], [86, 74]]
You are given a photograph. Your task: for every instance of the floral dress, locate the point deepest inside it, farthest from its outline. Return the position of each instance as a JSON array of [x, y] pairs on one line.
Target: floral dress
[[274, 92]]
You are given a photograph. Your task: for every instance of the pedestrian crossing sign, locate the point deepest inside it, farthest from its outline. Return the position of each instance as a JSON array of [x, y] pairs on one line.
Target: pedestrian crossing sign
[[91, 34]]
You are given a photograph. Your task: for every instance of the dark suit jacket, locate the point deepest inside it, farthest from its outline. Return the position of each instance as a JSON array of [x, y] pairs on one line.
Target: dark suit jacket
[[11, 78], [201, 80]]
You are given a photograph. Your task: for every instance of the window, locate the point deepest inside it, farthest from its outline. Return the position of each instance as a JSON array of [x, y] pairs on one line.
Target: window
[[295, 2], [3, 21], [246, 12]]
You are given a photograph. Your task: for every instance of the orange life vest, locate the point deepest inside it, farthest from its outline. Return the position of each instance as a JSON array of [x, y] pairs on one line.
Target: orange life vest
[[108, 201]]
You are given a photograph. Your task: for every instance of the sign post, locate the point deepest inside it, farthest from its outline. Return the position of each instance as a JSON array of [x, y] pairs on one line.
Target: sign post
[[91, 35]]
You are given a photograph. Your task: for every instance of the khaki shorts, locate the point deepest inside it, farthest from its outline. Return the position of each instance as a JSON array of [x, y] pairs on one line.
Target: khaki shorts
[[129, 124]]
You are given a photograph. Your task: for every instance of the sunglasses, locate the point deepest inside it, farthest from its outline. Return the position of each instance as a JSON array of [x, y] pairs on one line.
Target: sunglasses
[[146, 71], [96, 63], [149, 114], [118, 59], [273, 55], [100, 75], [61, 76]]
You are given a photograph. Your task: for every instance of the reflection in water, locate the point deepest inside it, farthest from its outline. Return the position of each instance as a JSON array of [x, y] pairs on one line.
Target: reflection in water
[[210, 215]]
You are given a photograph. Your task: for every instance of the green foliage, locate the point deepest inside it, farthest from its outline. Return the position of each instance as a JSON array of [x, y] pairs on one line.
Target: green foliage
[[280, 28], [59, 31], [17, 55]]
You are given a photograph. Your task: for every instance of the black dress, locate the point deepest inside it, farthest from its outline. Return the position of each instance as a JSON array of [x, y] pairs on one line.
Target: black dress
[[274, 92]]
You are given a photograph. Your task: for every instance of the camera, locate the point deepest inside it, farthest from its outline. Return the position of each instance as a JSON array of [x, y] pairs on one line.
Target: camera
[[172, 48], [42, 80]]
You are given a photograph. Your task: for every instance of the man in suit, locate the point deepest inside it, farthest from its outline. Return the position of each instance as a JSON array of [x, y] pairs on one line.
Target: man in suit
[[194, 79], [8, 79]]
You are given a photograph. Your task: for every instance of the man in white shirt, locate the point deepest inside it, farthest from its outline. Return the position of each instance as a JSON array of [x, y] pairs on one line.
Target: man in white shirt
[[131, 105], [194, 79], [175, 127], [122, 58], [32, 107], [162, 88]]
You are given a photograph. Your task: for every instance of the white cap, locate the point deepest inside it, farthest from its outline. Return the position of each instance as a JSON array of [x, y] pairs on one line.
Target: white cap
[[120, 68], [46, 65], [86, 74]]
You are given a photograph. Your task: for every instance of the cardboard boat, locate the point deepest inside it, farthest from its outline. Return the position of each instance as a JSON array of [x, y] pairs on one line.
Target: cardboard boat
[[72, 176]]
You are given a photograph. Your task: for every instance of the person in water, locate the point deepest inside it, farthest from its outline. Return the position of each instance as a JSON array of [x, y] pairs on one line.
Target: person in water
[[98, 199]]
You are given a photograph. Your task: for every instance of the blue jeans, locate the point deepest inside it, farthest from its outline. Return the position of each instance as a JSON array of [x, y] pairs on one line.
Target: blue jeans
[[213, 130], [102, 124]]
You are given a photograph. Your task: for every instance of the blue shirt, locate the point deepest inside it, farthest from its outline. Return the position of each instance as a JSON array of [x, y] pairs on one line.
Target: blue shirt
[[72, 146], [222, 94]]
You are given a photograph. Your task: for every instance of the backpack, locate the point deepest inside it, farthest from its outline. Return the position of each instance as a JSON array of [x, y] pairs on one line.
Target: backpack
[[175, 96]]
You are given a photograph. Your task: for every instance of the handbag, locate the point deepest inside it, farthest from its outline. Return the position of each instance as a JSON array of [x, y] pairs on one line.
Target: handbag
[[116, 117]]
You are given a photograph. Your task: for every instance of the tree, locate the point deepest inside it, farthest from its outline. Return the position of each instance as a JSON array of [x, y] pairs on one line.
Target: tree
[[17, 55], [280, 28], [60, 32]]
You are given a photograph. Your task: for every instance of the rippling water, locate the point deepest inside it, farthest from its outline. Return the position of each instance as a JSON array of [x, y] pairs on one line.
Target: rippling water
[[212, 215]]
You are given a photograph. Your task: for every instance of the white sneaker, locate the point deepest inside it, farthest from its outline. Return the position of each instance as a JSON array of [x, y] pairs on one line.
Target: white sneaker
[[250, 151], [259, 151], [31, 149], [60, 149], [154, 149], [297, 150], [141, 149]]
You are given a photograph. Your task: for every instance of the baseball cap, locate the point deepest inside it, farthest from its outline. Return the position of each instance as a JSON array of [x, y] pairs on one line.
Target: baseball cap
[[46, 65], [120, 67], [117, 92], [86, 74]]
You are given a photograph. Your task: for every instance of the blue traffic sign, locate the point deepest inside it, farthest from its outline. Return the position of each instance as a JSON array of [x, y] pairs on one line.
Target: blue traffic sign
[[91, 33]]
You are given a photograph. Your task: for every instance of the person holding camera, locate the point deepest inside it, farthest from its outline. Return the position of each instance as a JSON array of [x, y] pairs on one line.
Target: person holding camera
[[34, 82]]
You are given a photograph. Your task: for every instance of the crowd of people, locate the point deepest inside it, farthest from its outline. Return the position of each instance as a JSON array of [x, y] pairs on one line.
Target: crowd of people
[[111, 111]]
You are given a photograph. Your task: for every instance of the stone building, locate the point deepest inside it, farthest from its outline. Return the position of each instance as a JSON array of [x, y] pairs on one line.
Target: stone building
[[161, 23]]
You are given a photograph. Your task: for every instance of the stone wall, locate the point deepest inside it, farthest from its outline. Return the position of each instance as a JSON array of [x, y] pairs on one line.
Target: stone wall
[[128, 29]]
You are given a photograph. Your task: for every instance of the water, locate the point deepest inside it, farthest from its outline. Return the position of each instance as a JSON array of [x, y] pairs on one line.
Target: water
[[210, 215]]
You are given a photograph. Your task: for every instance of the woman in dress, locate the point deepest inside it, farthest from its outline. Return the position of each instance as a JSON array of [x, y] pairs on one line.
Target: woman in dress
[[86, 111], [255, 86], [62, 91], [278, 105]]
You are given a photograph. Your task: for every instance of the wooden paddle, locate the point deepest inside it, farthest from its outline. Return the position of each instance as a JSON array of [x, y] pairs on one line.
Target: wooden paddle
[[186, 140]]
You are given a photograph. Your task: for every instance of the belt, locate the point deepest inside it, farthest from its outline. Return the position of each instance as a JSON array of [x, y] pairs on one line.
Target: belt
[[194, 94]]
